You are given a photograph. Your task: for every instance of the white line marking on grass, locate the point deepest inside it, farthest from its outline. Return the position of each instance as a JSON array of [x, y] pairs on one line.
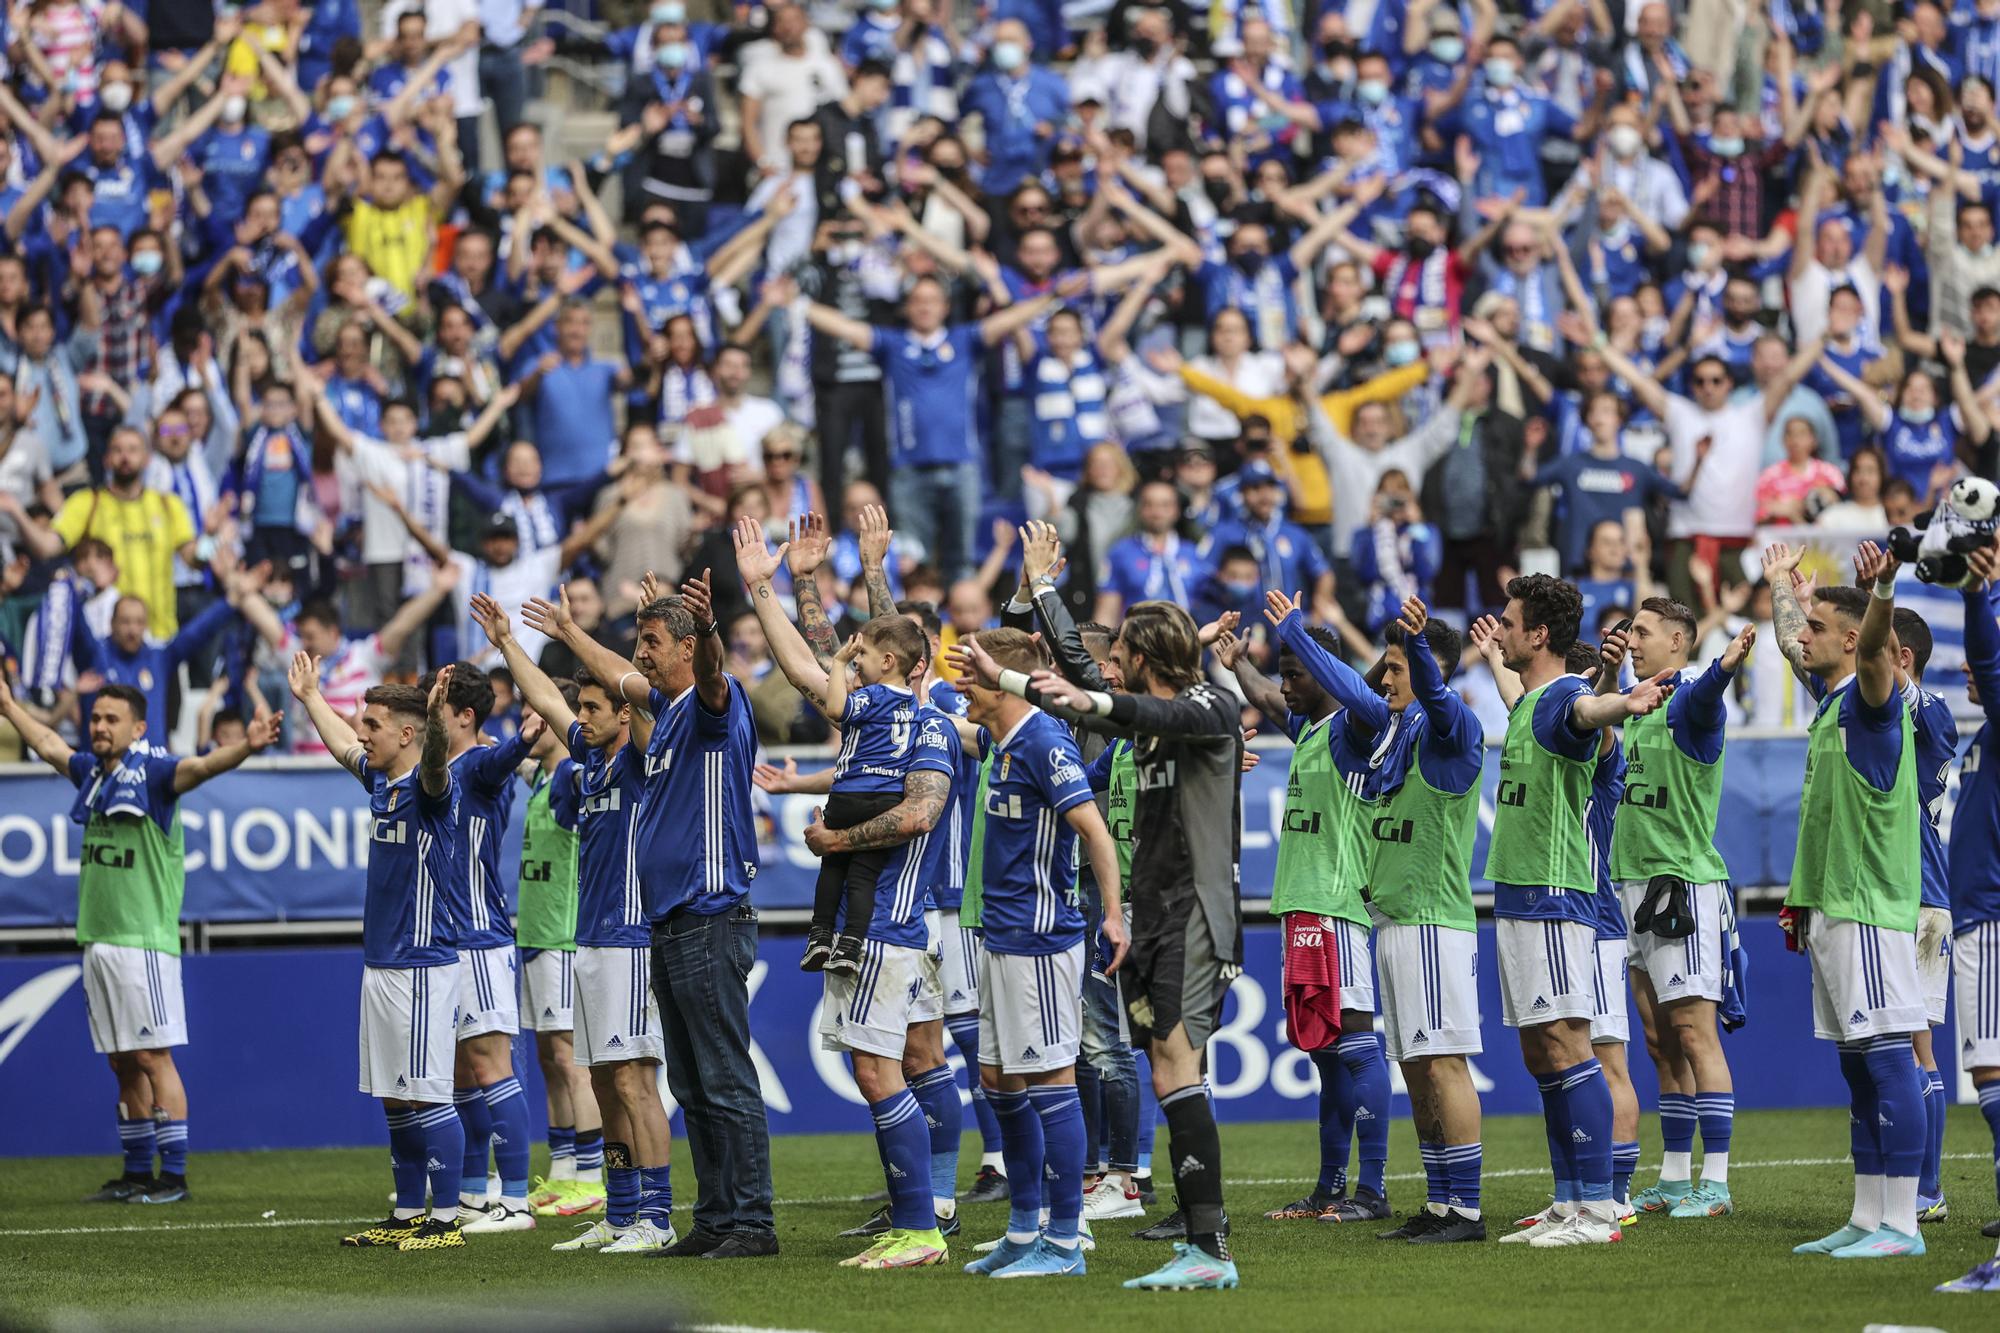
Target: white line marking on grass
[[1508, 1173]]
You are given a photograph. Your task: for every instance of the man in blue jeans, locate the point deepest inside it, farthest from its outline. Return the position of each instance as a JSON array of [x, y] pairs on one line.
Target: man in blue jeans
[[933, 373], [698, 855]]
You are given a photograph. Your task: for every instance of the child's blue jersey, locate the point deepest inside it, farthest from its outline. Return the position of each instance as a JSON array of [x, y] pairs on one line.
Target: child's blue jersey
[[877, 729]]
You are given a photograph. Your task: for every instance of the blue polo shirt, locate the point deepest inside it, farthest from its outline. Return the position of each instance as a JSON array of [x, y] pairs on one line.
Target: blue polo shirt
[[574, 427], [933, 387], [1010, 108]]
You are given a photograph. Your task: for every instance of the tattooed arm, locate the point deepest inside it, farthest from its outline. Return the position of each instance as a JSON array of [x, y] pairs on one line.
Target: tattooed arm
[[805, 553], [1788, 617], [875, 534], [792, 654], [924, 796], [435, 766]]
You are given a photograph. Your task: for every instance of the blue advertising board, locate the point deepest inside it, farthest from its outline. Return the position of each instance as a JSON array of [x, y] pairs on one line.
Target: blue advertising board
[[273, 1053], [289, 843]]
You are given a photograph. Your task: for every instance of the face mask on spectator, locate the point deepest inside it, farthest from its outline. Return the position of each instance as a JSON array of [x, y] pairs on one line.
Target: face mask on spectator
[[1697, 255], [1009, 55], [1147, 47], [1499, 73], [1240, 591], [1401, 352], [340, 107], [670, 13], [1450, 50], [1420, 248], [1249, 262], [233, 109], [1917, 416], [1732, 146], [882, 6], [672, 55], [1625, 140], [1372, 92], [146, 263], [115, 96], [1216, 189]]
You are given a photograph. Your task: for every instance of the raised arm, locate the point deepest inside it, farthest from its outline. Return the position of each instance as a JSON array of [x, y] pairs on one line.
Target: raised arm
[[616, 674], [1788, 617], [259, 734], [1982, 631], [1484, 635], [999, 325], [875, 534], [1951, 350], [434, 765], [1262, 692], [1644, 387], [1366, 712], [48, 746], [536, 687], [333, 729], [1874, 663], [789, 649], [831, 322]]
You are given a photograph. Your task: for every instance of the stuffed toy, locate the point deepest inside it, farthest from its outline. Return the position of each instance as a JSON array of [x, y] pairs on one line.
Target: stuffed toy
[[1963, 521]]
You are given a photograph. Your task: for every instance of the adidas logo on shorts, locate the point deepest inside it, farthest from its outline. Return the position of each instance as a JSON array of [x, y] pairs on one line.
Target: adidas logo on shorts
[[897, 1172], [401, 1082], [145, 1032], [1030, 1054], [1419, 1039], [548, 1012], [1539, 1004], [614, 1042], [434, 1165], [1363, 1113], [1855, 1018], [958, 995], [1675, 980], [1884, 1121]]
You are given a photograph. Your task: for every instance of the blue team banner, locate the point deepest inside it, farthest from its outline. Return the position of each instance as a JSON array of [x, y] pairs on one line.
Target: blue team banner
[[288, 841], [252, 1012]]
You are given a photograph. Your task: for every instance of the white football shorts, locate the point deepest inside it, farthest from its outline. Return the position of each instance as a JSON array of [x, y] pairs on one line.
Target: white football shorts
[[1864, 979], [409, 1017], [489, 994], [1548, 970], [1430, 990], [617, 1018], [132, 998], [547, 989], [1030, 1010]]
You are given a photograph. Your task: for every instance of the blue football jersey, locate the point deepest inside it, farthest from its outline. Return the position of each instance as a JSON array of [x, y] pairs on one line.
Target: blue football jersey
[[697, 833], [1607, 793], [610, 910], [485, 776], [408, 919], [876, 732], [955, 828], [1937, 745], [902, 890], [142, 785], [1975, 820], [1028, 858]]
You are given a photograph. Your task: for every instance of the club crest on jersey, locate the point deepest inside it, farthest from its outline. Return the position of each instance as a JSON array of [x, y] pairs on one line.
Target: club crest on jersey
[[394, 793], [1006, 764]]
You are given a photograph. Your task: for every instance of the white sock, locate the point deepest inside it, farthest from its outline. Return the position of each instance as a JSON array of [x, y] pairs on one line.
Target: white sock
[[563, 1168], [594, 1176], [446, 1214], [994, 1160], [946, 1208], [1676, 1166], [471, 1202], [1023, 1237], [1899, 1203], [1715, 1167], [1469, 1214], [1062, 1243], [405, 1214], [1868, 1198]]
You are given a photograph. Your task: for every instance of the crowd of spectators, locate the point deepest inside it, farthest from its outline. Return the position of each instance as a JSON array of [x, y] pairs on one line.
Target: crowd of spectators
[[309, 333]]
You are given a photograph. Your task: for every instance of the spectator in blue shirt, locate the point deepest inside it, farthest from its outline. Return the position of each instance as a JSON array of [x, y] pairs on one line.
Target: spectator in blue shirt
[[1155, 563], [574, 391], [1288, 559], [1507, 124], [932, 370], [1601, 484], [1020, 106], [1396, 553]]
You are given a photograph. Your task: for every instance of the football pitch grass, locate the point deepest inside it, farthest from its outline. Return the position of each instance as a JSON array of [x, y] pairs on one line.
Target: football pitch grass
[[258, 1249]]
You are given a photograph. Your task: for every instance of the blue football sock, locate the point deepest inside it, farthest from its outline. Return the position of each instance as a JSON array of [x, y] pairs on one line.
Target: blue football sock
[[1624, 1161], [1561, 1159], [936, 1092], [1021, 1143], [407, 1161], [1587, 1107], [1677, 1122], [1062, 1156], [1899, 1105], [1927, 1179], [1336, 1119], [1368, 1070], [1989, 1107], [1437, 1174], [589, 1151], [444, 1145], [964, 1029], [477, 1118], [137, 1139], [1863, 1135], [562, 1146], [511, 1135], [1464, 1163], [172, 1138], [905, 1143], [656, 1194], [1716, 1113], [621, 1195]]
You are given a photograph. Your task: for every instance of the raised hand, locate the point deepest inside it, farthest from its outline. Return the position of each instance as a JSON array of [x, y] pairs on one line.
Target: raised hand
[[1983, 562], [755, 561], [1872, 564], [650, 590], [532, 726], [777, 781], [1277, 606], [874, 533], [1039, 550], [1217, 627], [809, 545], [548, 618], [699, 601], [967, 658], [1780, 559], [262, 731], [440, 691], [1415, 615], [303, 676], [1739, 648], [1612, 652], [1229, 649], [491, 617], [1484, 634]]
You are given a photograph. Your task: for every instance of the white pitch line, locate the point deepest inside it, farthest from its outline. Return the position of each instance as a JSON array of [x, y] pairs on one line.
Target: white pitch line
[[1509, 1173]]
